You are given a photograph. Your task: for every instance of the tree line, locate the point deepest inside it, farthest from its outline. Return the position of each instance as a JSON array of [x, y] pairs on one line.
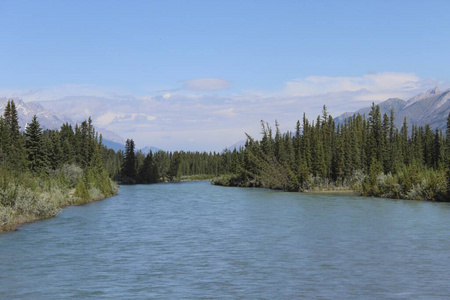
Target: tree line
[[166, 166], [369, 155], [44, 170]]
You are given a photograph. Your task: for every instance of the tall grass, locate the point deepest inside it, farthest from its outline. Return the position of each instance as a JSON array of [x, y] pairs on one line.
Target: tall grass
[[26, 197]]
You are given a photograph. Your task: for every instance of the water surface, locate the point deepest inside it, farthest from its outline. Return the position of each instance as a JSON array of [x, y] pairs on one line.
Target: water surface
[[194, 240]]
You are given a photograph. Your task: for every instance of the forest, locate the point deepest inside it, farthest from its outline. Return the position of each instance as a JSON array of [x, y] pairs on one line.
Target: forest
[[367, 155], [42, 171], [162, 166]]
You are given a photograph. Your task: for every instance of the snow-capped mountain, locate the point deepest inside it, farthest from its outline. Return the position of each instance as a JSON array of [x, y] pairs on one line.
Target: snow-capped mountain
[[431, 107], [51, 120], [25, 111]]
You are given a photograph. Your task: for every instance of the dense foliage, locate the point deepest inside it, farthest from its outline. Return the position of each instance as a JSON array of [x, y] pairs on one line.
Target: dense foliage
[[164, 166], [44, 170], [369, 155]]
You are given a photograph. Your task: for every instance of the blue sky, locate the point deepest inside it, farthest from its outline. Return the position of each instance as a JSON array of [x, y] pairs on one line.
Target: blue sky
[[226, 53]]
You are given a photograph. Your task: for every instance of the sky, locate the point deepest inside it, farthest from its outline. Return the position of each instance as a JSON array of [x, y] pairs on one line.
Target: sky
[[196, 75]]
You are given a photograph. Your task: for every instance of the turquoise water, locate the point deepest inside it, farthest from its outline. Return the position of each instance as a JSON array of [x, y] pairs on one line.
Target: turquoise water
[[195, 240]]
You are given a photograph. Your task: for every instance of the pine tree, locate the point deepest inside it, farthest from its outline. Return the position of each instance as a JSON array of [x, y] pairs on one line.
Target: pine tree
[[175, 161], [405, 142], [33, 145], [14, 142], [147, 172], [129, 162], [3, 142], [387, 164], [67, 144], [392, 153]]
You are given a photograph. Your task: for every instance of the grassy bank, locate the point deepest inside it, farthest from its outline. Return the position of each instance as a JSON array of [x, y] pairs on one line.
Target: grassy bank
[[26, 198], [312, 185], [409, 183], [198, 177]]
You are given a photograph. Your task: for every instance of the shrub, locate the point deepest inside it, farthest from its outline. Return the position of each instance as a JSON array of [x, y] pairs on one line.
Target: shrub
[[41, 205], [8, 194], [6, 218], [72, 174], [81, 191], [95, 194]]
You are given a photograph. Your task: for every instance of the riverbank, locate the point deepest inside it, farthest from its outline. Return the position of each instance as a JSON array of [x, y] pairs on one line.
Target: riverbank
[[30, 206], [337, 191], [427, 185], [200, 177], [233, 181]]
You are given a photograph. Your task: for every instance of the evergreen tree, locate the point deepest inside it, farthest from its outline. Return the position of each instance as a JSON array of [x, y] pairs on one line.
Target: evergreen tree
[[14, 140], [148, 172], [4, 135], [172, 173], [33, 145], [129, 163]]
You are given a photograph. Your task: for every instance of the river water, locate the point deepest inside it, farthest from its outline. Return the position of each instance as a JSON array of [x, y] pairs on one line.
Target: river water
[[195, 240]]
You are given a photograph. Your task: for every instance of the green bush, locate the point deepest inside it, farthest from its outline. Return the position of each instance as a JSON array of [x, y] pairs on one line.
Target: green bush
[[71, 173], [95, 194], [6, 218], [39, 205], [81, 191]]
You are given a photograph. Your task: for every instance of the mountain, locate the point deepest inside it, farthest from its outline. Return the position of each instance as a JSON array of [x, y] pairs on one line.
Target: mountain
[[237, 145], [51, 120], [431, 107], [25, 111], [147, 149]]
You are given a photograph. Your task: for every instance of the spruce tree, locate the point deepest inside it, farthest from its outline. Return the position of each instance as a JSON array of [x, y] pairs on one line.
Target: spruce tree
[[129, 162], [175, 161], [3, 141], [14, 141], [33, 145], [146, 171]]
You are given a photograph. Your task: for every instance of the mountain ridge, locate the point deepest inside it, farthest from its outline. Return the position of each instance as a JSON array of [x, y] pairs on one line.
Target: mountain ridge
[[431, 107]]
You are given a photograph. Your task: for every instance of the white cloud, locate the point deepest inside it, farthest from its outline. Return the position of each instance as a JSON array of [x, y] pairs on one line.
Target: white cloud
[[206, 84], [374, 86], [228, 112], [106, 118], [110, 117]]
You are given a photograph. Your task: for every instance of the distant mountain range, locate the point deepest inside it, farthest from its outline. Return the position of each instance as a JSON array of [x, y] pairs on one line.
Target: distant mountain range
[[51, 120], [431, 108]]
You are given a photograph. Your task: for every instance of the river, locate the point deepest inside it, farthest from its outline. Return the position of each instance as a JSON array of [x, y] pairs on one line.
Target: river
[[194, 240]]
